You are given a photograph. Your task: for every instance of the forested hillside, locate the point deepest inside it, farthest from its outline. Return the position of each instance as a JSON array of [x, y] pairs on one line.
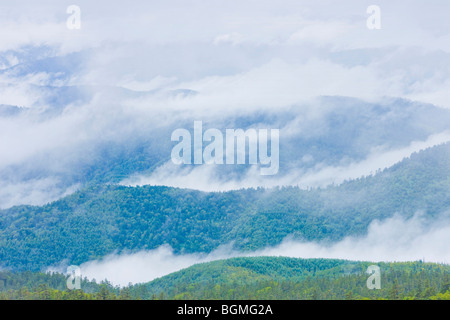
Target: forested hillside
[[251, 278], [99, 220], [290, 278]]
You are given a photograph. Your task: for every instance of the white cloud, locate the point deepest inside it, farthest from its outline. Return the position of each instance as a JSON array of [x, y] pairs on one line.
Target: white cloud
[[33, 192], [320, 32], [208, 178], [395, 239], [233, 38], [145, 265], [239, 58], [156, 83], [378, 159]]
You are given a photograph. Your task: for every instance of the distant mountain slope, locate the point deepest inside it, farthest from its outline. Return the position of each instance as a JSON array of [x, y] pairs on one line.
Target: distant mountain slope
[[99, 220], [124, 143]]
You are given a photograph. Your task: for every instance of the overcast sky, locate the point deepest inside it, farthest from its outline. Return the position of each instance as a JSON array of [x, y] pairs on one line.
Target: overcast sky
[[218, 47]]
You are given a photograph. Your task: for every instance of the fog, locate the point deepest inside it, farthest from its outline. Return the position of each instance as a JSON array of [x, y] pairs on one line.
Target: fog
[[208, 177], [80, 106], [394, 239], [132, 70]]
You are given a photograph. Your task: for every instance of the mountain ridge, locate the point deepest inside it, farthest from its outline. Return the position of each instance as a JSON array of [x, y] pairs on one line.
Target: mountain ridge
[[102, 219]]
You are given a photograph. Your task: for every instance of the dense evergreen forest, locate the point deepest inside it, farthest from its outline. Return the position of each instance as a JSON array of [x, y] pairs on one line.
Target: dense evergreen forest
[[98, 220], [250, 278]]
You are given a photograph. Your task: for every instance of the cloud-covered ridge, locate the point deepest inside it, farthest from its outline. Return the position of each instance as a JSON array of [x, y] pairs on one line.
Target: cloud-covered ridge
[[394, 239]]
